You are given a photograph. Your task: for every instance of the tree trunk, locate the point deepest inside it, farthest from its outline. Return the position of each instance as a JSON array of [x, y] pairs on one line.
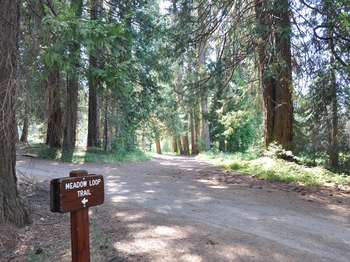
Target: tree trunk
[[197, 125], [275, 70], [55, 115], [205, 123], [284, 104], [69, 137], [185, 145], [70, 126], [16, 132], [333, 139], [179, 145], [93, 117], [334, 150], [158, 147], [194, 150], [230, 147], [205, 136], [143, 139], [11, 207], [24, 135], [117, 126], [106, 131], [131, 139], [175, 149], [222, 147]]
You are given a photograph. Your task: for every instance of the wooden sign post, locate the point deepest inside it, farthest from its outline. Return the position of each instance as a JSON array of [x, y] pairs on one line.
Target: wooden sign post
[[75, 194]]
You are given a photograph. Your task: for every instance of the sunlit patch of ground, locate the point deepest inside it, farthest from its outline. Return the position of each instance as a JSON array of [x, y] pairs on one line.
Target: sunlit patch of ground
[[156, 212]]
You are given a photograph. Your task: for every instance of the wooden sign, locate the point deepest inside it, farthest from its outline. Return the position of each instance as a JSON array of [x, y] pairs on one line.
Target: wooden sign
[[75, 194]]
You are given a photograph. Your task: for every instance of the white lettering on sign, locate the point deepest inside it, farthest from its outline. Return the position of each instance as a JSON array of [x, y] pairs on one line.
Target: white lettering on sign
[[94, 182], [75, 185], [83, 193], [82, 184]]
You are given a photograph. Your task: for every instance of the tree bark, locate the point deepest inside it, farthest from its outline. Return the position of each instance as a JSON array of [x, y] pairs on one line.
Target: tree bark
[[197, 125], [69, 137], [93, 116], [105, 133], [333, 150], [158, 146], [175, 149], [222, 146], [24, 135], [194, 150], [11, 208], [275, 70], [143, 139], [205, 123], [185, 145], [16, 132], [333, 143], [55, 115], [117, 126], [106, 129], [205, 136], [179, 145], [93, 119]]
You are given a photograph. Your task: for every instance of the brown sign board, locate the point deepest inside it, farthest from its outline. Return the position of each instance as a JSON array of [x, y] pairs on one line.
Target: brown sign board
[[73, 193]]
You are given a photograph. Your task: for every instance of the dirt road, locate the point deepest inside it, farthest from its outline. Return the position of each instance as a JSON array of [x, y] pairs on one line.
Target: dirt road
[[175, 209]]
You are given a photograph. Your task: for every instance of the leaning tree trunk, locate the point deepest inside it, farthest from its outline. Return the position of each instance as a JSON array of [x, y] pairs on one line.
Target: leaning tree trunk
[[11, 207], [275, 70], [69, 137], [55, 114], [93, 116]]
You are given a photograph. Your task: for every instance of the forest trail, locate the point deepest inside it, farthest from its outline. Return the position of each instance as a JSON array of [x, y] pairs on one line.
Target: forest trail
[[174, 209]]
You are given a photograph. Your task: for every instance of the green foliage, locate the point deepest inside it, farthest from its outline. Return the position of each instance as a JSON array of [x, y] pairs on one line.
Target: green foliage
[[127, 43], [275, 169], [151, 71], [234, 113], [94, 155]]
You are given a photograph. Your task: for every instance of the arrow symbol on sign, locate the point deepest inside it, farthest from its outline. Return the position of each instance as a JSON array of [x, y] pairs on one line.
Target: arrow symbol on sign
[[84, 201]]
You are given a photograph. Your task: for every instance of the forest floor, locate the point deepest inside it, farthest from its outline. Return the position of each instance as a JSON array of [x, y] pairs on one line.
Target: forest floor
[[182, 209]]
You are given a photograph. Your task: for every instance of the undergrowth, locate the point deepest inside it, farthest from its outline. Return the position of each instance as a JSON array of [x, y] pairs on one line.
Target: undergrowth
[[272, 168], [94, 155]]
